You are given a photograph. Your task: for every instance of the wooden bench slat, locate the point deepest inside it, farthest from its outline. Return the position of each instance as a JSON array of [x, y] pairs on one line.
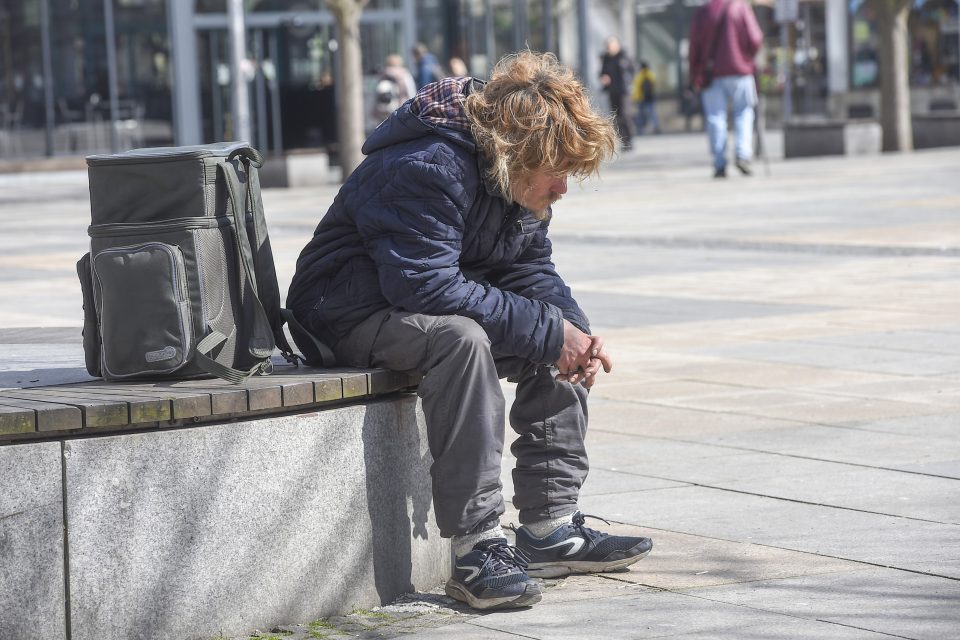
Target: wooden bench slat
[[14, 420], [293, 390], [50, 416], [383, 381], [143, 407], [224, 399], [144, 404], [328, 389], [97, 410], [175, 404]]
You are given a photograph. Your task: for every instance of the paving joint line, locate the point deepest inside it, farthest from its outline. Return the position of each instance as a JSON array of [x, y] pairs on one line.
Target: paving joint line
[[754, 245], [772, 497], [814, 391], [778, 453], [850, 626], [810, 553], [473, 622], [691, 594]]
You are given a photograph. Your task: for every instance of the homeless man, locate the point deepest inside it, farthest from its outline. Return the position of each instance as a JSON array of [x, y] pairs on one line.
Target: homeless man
[[434, 257]]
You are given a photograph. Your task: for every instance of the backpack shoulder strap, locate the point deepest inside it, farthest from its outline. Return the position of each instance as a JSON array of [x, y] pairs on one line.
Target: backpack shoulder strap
[[315, 352], [263, 265]]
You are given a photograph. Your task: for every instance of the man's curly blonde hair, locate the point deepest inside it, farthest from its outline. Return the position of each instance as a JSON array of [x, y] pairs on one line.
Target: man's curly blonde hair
[[534, 115]]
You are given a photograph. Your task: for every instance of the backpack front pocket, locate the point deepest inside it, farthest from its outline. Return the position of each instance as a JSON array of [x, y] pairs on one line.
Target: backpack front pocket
[[145, 311]]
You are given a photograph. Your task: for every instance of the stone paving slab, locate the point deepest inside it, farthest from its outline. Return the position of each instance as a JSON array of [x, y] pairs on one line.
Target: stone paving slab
[[600, 481], [614, 451], [934, 391], [818, 482], [642, 615], [917, 341], [809, 407], [883, 600], [876, 449], [768, 374], [661, 420], [946, 469], [683, 561], [786, 628], [620, 310], [835, 532]]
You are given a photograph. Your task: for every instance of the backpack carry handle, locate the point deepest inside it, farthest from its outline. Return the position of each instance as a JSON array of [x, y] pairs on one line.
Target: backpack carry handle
[[249, 153]]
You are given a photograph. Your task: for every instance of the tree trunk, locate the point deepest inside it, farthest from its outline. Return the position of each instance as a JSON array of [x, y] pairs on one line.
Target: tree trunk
[[894, 76], [349, 89]]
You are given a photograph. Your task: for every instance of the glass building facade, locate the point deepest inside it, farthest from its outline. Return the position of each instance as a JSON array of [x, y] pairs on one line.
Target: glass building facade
[[89, 76]]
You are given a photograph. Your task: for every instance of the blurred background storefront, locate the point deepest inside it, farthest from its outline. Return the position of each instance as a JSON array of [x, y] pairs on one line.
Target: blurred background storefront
[[87, 76]]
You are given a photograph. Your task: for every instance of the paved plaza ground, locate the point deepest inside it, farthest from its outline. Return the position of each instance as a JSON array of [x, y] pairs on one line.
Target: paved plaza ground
[[784, 414]]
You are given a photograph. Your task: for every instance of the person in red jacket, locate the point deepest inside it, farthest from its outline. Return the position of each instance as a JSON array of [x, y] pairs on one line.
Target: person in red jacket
[[724, 38]]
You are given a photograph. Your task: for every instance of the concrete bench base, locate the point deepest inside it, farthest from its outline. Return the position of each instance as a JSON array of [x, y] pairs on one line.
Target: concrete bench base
[[225, 528], [936, 130], [831, 138]]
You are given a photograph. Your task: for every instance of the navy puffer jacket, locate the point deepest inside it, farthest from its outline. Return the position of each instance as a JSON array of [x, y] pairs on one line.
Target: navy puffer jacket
[[417, 228]]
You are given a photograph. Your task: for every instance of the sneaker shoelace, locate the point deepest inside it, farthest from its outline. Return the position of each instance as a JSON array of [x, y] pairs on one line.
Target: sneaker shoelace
[[579, 519], [502, 558]]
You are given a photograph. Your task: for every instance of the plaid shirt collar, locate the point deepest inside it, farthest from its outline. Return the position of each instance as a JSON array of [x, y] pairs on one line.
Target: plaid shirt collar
[[441, 104]]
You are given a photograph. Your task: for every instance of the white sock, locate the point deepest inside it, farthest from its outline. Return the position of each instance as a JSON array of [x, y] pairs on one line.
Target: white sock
[[542, 528], [462, 545]]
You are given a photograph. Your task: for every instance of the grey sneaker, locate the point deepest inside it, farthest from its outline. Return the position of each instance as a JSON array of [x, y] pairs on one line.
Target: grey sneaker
[[574, 548], [493, 576]]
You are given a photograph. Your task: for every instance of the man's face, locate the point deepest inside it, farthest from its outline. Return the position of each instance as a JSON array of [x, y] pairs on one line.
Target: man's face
[[539, 190]]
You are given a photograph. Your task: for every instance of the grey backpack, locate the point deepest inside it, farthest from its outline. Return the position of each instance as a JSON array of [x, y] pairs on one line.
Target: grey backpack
[[180, 279]]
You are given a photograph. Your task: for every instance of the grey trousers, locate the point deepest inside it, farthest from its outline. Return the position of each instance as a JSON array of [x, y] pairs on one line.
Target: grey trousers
[[464, 409]]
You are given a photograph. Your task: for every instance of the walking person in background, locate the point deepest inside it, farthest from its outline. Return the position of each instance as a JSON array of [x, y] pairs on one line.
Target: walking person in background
[[644, 95], [616, 74], [458, 68], [394, 87], [434, 257], [427, 68], [724, 38]]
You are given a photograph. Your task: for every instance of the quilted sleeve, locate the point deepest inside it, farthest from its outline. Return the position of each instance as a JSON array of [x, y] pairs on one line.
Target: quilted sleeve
[[413, 230], [535, 276]]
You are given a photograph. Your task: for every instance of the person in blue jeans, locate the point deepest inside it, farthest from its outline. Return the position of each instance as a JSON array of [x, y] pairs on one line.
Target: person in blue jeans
[[739, 93], [724, 38]]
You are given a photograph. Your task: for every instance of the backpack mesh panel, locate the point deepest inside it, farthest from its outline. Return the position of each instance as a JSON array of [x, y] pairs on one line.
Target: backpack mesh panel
[[217, 295]]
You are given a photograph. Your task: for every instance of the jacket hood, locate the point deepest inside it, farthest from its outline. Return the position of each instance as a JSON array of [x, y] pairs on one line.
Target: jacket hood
[[437, 110]]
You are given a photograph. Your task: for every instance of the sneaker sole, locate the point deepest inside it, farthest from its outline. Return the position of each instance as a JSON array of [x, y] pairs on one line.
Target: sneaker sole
[[559, 569], [531, 595]]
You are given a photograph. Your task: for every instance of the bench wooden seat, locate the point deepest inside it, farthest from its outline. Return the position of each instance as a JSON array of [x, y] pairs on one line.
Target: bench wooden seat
[[97, 406]]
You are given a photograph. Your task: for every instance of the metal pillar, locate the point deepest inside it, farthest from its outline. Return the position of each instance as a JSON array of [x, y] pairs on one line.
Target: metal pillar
[[260, 92], [583, 36], [549, 34], [110, 43], [409, 10], [186, 85], [787, 64], [274, 84], [519, 26], [238, 54], [47, 76], [491, 43]]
